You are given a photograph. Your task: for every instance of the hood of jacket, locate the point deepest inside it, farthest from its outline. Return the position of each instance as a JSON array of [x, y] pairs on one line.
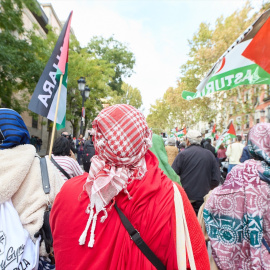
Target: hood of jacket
[[15, 164]]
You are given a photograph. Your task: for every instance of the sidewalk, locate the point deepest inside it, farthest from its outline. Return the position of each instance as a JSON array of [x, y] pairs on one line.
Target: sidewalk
[[42, 153]]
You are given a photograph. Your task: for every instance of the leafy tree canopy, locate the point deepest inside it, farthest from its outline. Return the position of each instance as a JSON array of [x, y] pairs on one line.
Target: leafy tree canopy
[[206, 46], [131, 96], [19, 66], [115, 53]]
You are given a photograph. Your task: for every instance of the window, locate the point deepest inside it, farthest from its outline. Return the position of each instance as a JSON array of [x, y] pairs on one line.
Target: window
[[268, 115], [247, 121], [238, 123], [239, 97], [256, 96], [34, 122], [257, 117], [246, 96], [267, 93]]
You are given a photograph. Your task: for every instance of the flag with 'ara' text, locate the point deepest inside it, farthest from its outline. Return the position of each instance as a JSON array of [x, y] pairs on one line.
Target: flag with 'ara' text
[[44, 98], [246, 62]]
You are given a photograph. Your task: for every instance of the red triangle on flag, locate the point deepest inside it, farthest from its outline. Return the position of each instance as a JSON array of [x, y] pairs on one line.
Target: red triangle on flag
[[258, 49], [214, 128], [185, 131], [231, 130], [64, 53]]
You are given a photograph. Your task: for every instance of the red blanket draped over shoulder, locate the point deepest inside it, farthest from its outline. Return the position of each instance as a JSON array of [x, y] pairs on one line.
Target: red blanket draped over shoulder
[[151, 211]]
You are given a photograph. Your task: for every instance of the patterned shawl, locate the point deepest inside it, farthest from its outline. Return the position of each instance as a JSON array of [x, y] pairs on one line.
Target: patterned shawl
[[259, 148], [121, 140], [13, 130], [237, 214]]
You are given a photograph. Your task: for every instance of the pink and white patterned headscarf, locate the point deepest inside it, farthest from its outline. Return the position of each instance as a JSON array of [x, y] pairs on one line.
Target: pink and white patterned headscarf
[[121, 140], [259, 148]]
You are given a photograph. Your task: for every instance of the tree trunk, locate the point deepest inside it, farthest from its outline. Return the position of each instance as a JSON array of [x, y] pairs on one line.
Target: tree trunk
[[75, 128]]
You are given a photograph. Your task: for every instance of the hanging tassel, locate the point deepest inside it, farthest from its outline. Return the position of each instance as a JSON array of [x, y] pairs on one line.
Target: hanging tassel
[[105, 215], [126, 191], [83, 236], [93, 227], [112, 204]]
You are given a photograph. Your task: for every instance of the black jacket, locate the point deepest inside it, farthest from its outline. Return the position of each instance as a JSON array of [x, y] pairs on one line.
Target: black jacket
[[88, 151], [209, 147], [198, 170]]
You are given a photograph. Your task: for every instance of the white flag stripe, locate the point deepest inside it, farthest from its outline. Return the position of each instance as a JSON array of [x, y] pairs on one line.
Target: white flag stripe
[[61, 107]]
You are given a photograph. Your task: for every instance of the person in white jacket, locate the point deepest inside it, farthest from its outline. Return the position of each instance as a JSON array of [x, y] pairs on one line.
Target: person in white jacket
[[20, 174], [234, 152]]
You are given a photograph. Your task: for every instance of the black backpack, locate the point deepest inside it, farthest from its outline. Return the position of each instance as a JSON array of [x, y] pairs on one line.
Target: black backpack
[[88, 151]]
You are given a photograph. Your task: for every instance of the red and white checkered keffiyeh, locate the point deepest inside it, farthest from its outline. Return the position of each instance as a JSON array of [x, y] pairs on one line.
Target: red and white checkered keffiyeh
[[121, 139]]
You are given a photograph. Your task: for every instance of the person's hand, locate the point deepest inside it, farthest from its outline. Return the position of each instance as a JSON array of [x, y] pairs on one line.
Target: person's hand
[[72, 155]]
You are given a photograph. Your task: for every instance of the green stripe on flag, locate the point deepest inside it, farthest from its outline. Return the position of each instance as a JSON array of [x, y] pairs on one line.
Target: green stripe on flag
[[251, 74]]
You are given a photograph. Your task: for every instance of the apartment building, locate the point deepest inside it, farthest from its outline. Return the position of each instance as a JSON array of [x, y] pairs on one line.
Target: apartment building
[[249, 108]]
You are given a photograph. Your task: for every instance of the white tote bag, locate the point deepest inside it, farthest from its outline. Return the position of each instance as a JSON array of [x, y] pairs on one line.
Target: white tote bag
[[17, 250]]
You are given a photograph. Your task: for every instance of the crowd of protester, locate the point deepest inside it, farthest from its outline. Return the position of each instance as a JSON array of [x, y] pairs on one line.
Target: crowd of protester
[[37, 142], [122, 199]]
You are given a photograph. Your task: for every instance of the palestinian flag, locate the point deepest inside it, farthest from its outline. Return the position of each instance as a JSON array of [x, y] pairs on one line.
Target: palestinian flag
[[214, 131], [185, 130], [246, 62], [44, 98], [227, 134], [181, 132]]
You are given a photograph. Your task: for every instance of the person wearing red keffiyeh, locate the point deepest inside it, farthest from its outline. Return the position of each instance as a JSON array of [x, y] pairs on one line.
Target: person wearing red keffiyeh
[[87, 230]]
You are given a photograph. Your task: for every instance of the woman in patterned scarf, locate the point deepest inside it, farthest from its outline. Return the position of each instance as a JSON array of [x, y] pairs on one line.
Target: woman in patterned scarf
[[86, 228], [237, 214]]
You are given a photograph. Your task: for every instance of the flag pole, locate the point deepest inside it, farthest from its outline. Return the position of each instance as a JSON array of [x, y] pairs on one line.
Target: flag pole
[[55, 116]]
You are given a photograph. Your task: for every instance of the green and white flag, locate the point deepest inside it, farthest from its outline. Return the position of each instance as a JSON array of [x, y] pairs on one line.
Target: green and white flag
[[246, 62]]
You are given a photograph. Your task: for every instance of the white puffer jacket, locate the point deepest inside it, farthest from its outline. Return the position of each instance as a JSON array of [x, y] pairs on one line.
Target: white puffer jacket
[[20, 181]]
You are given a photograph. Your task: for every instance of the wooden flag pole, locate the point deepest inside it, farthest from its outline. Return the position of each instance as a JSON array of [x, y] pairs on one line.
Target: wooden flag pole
[[55, 116]]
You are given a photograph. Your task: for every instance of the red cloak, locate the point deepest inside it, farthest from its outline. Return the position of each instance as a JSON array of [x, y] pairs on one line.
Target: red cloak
[[151, 211]]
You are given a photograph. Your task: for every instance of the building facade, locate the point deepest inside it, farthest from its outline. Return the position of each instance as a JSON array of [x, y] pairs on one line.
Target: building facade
[[255, 104]]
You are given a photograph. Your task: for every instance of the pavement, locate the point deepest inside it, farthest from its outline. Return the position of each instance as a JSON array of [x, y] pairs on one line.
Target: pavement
[[42, 153]]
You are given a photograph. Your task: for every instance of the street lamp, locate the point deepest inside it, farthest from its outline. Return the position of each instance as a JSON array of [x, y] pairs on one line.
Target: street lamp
[[85, 91], [81, 84]]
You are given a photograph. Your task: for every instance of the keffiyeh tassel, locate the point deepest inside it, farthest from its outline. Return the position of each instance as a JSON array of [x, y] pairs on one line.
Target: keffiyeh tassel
[[84, 234], [92, 219], [93, 227], [126, 192], [105, 215]]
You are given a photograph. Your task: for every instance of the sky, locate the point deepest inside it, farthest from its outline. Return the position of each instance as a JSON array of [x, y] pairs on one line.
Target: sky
[[156, 31]]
